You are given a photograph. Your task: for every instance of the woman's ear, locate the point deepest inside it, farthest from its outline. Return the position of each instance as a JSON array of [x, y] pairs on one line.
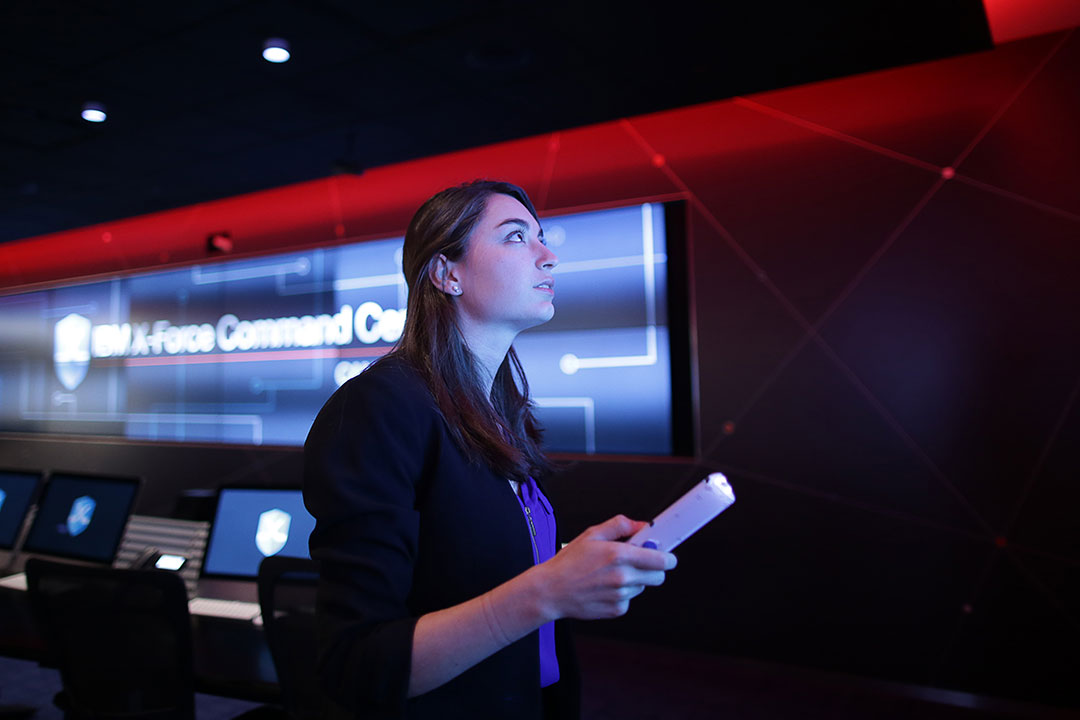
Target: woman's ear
[[441, 271]]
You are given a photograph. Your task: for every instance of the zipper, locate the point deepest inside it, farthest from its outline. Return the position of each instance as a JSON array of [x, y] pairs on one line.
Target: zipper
[[528, 516], [532, 527], [532, 533], [532, 537]]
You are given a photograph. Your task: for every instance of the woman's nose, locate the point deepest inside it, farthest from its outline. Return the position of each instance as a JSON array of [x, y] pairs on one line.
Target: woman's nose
[[548, 259]]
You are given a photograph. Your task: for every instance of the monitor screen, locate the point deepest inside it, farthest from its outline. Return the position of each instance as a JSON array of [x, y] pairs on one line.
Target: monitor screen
[[82, 516], [16, 494], [246, 351], [253, 523]]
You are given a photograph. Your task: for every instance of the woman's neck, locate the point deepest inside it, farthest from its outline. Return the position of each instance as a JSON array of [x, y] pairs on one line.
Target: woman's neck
[[489, 346]]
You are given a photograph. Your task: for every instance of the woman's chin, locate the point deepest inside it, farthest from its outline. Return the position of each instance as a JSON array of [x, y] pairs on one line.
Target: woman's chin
[[540, 318]]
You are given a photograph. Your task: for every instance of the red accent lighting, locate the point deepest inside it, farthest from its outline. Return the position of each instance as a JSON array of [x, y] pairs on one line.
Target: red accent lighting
[[1015, 19]]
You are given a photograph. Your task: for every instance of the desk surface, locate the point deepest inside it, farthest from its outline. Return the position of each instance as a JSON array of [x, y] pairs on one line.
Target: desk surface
[[231, 657]]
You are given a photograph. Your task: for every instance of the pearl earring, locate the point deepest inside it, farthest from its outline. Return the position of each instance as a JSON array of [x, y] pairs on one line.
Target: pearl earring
[[456, 289]]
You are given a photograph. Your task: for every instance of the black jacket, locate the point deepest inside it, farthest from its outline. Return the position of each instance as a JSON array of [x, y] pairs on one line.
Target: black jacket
[[405, 525]]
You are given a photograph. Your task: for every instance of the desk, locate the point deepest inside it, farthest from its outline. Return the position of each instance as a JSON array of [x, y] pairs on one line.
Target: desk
[[231, 657]]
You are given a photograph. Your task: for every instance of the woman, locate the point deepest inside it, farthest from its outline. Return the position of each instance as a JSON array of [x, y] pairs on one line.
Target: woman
[[440, 586]]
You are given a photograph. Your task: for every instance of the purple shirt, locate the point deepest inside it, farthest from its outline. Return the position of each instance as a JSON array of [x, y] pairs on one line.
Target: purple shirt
[[541, 520]]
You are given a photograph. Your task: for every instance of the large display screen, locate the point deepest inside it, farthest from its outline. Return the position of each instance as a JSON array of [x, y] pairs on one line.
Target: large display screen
[[247, 351]]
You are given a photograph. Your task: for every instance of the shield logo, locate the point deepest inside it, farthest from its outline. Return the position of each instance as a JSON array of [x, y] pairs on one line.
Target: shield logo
[[273, 531], [82, 511], [71, 350]]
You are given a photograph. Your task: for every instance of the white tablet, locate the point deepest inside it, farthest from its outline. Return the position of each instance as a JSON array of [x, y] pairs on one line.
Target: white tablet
[[687, 515]]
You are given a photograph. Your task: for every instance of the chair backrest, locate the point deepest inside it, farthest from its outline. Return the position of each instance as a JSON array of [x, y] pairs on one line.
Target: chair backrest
[[287, 588], [121, 638]]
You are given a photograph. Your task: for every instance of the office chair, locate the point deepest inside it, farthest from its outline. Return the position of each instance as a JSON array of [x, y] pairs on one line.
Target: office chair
[[287, 601], [121, 639]]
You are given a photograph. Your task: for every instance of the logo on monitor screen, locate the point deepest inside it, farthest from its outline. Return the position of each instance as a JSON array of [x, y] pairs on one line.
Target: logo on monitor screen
[[82, 511], [71, 350], [273, 531], [3, 496]]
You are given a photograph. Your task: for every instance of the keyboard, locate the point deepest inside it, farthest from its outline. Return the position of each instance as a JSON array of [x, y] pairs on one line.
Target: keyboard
[[15, 582], [213, 607], [234, 609]]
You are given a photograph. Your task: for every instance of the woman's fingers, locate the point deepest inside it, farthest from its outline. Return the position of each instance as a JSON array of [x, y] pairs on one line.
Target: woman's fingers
[[620, 527], [597, 575], [647, 559], [615, 528], [651, 578]]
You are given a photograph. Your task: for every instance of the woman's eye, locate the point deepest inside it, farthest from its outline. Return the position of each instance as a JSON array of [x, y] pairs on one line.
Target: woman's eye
[[520, 236]]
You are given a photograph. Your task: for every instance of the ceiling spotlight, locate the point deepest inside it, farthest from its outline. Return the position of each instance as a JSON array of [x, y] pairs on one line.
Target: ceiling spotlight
[[276, 50], [93, 112]]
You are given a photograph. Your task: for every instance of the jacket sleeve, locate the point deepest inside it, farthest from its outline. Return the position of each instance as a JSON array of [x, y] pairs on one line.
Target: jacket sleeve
[[363, 459]]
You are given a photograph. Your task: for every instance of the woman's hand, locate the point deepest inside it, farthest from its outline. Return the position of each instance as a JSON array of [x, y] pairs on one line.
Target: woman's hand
[[595, 576]]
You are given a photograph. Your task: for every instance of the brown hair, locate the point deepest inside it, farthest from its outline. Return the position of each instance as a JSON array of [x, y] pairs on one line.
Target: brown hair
[[500, 430]]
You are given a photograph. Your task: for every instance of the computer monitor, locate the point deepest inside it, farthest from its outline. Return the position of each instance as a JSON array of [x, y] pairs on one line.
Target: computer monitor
[[252, 523], [82, 516], [17, 490]]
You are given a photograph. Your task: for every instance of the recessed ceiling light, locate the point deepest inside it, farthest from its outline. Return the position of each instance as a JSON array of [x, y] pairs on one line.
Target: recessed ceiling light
[[276, 50], [93, 112]]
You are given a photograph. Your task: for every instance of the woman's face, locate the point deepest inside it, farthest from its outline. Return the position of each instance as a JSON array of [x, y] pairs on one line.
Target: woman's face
[[505, 276]]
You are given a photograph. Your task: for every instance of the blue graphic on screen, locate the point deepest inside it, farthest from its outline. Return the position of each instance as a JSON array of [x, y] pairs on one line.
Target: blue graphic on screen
[[82, 517], [253, 523], [248, 351], [16, 493]]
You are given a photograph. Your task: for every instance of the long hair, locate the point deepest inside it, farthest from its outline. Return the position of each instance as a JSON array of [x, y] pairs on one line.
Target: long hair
[[501, 429]]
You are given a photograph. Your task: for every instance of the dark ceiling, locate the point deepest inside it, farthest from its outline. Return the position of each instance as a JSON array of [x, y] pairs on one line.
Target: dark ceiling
[[196, 114]]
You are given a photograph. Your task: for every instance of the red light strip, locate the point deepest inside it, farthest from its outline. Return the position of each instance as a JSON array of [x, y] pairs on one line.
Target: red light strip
[[1015, 19]]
